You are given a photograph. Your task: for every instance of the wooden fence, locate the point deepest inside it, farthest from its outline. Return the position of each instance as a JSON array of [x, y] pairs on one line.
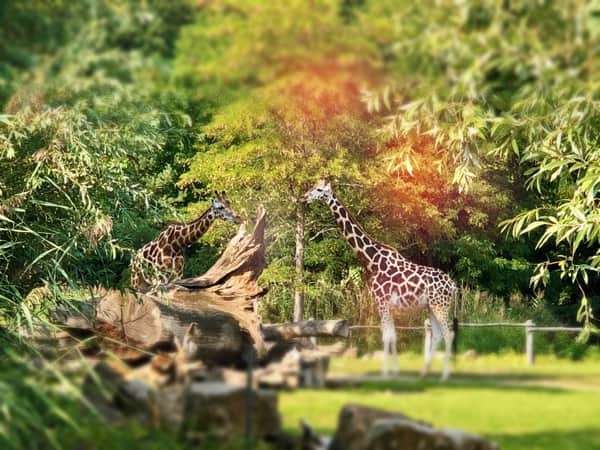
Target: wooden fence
[[529, 327]]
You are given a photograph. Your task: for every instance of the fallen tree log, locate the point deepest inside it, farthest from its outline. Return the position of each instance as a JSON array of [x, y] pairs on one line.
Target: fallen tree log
[[306, 328], [219, 303]]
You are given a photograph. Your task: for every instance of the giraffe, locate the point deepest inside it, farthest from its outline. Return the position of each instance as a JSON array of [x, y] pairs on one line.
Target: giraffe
[[160, 261], [395, 282]]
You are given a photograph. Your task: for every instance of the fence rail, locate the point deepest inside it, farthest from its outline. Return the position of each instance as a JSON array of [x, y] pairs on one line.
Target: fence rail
[[529, 326], [478, 324], [377, 327]]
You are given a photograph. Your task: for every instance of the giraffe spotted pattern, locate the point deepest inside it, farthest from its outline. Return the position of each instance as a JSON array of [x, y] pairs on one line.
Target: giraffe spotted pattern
[[395, 282], [161, 260]]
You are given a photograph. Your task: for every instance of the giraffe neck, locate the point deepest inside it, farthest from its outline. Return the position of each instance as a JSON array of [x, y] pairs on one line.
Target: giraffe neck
[[363, 245], [191, 232]]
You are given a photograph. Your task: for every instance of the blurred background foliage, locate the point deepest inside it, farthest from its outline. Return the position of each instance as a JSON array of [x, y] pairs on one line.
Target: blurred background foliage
[[463, 133], [437, 123]]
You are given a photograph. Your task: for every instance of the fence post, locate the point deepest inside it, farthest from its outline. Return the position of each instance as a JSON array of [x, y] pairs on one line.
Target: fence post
[[427, 340], [529, 350], [313, 339]]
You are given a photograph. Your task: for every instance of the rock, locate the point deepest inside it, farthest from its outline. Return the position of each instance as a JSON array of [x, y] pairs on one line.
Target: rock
[[362, 428], [398, 433], [215, 410], [404, 434], [354, 424]]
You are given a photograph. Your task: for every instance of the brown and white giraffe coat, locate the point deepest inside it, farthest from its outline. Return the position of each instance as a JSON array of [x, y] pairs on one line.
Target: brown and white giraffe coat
[[161, 260], [393, 281]]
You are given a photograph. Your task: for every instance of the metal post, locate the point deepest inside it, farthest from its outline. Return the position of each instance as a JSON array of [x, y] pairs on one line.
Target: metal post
[[529, 350], [427, 340]]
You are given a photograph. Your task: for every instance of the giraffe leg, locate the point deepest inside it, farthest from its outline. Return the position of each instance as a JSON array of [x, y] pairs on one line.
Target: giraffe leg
[[436, 336], [394, 353], [388, 335], [441, 314], [384, 367]]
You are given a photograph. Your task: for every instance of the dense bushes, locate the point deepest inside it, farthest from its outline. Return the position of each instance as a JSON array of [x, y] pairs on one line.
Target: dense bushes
[[90, 150]]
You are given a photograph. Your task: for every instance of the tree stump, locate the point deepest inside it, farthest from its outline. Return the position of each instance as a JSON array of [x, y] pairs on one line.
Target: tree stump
[[218, 410]]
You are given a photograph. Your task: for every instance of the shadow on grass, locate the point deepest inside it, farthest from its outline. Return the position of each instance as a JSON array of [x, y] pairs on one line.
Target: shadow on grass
[[463, 375], [411, 382], [580, 439]]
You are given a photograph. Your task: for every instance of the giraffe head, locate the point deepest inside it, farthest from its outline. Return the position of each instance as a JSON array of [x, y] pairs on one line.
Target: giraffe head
[[222, 209], [320, 191]]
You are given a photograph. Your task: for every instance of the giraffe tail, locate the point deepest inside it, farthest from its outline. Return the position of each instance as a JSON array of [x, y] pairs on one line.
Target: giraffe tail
[[455, 325], [455, 338]]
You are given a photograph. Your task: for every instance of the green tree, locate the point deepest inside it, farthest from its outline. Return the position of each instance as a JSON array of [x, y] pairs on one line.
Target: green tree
[[515, 80], [282, 92], [91, 146], [285, 82]]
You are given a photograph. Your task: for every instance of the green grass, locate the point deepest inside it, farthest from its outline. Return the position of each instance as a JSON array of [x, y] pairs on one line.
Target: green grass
[[554, 405]]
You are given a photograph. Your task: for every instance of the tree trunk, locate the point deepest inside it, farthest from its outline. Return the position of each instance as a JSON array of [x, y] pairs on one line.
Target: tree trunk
[[219, 410], [299, 264]]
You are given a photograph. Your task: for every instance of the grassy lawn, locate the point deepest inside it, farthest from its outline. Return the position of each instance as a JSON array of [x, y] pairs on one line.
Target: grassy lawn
[[554, 405]]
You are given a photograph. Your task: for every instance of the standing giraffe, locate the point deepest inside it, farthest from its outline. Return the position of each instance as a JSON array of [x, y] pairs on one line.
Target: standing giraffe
[[161, 261], [395, 282]]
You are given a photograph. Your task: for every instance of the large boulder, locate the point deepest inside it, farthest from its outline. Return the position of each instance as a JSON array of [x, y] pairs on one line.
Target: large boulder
[[404, 434], [363, 428], [354, 424]]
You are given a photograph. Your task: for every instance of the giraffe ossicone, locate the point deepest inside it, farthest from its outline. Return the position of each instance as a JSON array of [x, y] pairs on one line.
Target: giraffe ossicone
[[161, 260], [395, 282]]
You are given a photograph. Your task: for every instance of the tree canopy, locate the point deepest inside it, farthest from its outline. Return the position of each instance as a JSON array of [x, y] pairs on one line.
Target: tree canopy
[[463, 134]]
